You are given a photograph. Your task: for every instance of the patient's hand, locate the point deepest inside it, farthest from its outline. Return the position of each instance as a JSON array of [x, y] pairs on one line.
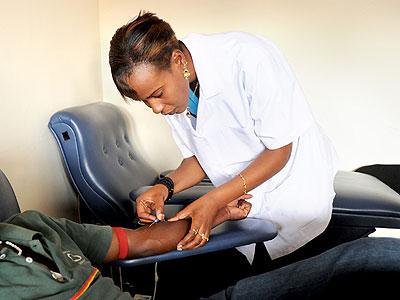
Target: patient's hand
[[236, 210]]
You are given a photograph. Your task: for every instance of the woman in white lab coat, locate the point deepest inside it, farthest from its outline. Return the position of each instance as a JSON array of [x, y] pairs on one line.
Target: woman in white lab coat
[[238, 115]]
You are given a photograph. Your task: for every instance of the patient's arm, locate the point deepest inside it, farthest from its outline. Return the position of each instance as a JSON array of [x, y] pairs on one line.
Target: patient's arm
[[164, 237]]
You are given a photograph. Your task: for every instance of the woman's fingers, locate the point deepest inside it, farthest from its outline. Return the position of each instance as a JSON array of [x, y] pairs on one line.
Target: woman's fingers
[[144, 211], [199, 237], [180, 216], [145, 216], [160, 213], [188, 239], [148, 218], [202, 220], [193, 244], [203, 241], [150, 205]]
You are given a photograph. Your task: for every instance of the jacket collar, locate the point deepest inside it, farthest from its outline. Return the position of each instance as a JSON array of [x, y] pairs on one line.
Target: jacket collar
[[11, 232], [204, 64]]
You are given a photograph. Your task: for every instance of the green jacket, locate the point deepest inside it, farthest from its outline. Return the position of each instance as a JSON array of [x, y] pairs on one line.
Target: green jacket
[[71, 246]]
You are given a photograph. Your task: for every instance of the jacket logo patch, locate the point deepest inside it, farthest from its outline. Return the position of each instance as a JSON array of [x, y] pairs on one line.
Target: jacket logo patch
[[74, 257]]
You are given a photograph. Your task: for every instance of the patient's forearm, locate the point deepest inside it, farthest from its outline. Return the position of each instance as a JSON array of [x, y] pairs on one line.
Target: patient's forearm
[[156, 239], [149, 240]]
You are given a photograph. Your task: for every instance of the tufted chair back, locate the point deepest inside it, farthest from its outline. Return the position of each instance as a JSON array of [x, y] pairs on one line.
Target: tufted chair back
[[101, 159]]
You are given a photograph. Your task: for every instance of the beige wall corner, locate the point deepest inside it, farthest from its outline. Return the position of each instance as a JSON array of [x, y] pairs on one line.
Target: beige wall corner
[[50, 59]]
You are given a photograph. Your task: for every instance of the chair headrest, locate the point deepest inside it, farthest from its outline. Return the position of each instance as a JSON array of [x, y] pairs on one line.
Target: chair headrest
[[101, 153]]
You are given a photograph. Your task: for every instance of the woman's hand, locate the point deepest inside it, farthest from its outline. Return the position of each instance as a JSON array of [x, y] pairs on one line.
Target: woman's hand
[[150, 204], [205, 216]]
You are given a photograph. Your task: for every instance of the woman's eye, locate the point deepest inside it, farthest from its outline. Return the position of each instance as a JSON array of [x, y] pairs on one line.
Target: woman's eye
[[158, 95]]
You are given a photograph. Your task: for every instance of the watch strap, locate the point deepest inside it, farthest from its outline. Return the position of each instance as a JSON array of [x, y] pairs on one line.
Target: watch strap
[[166, 181]]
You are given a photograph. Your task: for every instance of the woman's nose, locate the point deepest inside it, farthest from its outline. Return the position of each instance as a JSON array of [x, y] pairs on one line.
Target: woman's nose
[[156, 106]]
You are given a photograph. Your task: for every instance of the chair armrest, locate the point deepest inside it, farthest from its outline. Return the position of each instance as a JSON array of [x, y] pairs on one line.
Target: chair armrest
[[227, 235], [184, 197]]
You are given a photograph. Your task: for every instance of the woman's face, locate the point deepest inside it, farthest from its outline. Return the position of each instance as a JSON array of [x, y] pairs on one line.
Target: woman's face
[[165, 92]]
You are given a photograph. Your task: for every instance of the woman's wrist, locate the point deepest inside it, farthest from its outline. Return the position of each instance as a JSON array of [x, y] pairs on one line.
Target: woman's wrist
[[168, 184], [222, 216], [162, 190], [216, 199]]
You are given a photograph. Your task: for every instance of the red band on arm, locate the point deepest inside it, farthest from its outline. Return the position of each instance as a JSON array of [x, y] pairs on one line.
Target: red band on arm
[[123, 242]]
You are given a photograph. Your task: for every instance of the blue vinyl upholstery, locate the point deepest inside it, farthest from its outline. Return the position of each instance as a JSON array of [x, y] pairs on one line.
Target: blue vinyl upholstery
[[100, 158]]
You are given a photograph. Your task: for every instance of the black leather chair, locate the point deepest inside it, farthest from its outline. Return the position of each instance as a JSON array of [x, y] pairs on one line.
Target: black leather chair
[[387, 173], [100, 157], [108, 173], [106, 170], [363, 200]]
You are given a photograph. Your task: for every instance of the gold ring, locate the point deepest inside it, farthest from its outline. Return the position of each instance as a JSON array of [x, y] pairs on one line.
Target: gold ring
[[196, 231], [203, 237]]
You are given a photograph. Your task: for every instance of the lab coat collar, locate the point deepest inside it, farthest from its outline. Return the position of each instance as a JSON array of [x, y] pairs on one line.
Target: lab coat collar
[[204, 63]]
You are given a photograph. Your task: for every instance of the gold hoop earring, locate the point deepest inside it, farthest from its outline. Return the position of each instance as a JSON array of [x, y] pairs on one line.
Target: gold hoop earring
[[186, 72]]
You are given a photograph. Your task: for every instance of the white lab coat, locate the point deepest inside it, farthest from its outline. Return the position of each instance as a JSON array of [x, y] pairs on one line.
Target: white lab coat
[[249, 101]]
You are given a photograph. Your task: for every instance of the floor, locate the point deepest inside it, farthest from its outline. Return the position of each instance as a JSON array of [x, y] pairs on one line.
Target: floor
[[385, 232]]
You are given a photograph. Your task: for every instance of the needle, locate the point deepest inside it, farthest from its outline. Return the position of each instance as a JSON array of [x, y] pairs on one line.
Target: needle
[[155, 221]]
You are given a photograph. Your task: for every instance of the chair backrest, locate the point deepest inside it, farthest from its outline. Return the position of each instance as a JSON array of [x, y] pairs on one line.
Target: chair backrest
[[8, 201], [101, 159], [388, 174]]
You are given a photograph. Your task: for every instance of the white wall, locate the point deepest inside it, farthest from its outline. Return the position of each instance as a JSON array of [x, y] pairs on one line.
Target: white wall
[[50, 59], [345, 55]]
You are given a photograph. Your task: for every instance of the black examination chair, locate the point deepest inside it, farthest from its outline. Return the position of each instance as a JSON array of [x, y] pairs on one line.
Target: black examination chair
[[100, 157]]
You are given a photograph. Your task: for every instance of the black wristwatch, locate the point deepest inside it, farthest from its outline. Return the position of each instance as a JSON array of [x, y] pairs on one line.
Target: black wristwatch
[[169, 184]]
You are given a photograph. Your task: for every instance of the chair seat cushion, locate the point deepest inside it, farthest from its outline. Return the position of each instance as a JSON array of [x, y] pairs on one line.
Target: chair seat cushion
[[364, 200]]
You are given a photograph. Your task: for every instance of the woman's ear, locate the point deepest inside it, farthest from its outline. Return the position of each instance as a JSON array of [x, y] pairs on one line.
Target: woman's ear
[[177, 57]]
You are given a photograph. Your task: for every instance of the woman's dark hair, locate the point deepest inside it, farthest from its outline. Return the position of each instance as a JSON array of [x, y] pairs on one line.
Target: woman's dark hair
[[146, 39]]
